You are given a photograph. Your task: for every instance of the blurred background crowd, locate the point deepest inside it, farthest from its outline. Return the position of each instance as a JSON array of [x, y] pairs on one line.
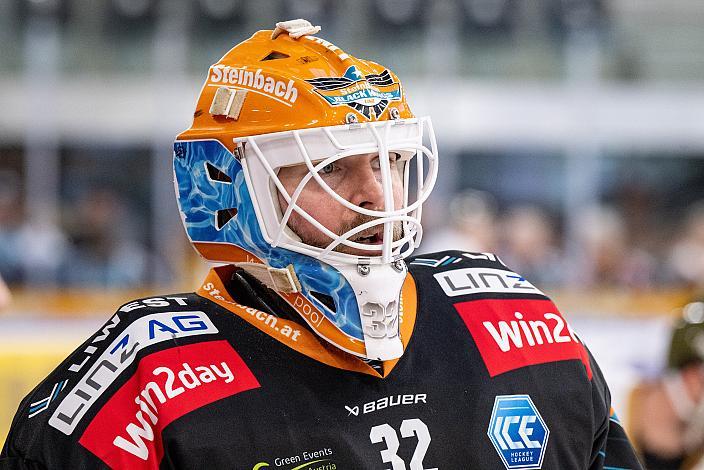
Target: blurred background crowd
[[96, 240], [570, 130], [571, 134]]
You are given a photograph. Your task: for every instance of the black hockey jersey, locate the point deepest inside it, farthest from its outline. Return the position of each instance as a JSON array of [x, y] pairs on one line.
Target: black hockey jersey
[[492, 378]]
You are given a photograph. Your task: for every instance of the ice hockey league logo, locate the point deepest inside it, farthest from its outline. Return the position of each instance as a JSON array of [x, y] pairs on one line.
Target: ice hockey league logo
[[518, 432], [367, 94]]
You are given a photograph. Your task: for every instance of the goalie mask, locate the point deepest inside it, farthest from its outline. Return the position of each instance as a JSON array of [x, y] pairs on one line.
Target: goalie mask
[[286, 103]]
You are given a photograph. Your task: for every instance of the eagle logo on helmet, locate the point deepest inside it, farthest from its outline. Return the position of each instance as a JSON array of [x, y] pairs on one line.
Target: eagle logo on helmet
[[367, 94]]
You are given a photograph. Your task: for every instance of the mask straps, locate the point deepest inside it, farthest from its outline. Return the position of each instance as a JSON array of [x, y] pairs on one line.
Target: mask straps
[[279, 279]]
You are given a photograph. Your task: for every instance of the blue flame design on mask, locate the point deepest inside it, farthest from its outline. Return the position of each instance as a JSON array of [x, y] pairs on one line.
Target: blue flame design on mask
[[200, 198]]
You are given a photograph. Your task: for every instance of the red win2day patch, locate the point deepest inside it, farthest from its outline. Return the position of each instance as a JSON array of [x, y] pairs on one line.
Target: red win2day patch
[[511, 334], [126, 432]]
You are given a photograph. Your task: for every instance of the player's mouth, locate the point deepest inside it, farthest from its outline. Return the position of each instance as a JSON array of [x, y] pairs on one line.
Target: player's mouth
[[374, 239], [370, 237]]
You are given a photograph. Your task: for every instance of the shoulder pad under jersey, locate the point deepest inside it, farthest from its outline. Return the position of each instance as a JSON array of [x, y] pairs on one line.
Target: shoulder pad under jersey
[[461, 274], [58, 410]]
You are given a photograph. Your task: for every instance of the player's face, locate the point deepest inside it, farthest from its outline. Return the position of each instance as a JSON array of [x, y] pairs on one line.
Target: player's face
[[356, 179]]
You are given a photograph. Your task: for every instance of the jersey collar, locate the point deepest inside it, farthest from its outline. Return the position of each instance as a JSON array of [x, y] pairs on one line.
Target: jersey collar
[[293, 335]]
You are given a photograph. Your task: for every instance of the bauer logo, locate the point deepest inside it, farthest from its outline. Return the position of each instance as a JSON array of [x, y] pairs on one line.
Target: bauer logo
[[483, 280], [518, 432], [367, 94]]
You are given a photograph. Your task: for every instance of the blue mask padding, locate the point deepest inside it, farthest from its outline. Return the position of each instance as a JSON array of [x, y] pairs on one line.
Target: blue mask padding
[[200, 199]]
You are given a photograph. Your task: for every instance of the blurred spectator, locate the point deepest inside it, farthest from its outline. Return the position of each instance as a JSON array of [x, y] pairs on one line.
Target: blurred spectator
[[5, 296], [528, 245], [640, 204], [667, 413], [471, 227], [608, 258], [10, 228], [44, 249], [104, 252], [687, 254], [31, 249]]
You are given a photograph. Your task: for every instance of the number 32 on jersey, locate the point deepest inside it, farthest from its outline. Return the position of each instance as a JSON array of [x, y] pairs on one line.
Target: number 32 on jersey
[[409, 428]]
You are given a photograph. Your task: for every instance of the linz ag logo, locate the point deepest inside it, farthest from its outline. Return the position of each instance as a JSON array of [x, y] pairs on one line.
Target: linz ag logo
[[483, 280], [518, 432], [144, 331], [367, 94]]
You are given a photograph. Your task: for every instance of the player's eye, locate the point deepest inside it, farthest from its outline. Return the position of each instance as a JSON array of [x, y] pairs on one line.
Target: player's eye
[[327, 169], [393, 158]]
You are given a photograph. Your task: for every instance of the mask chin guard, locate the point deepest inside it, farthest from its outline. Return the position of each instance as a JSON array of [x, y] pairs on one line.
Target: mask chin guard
[[379, 309]]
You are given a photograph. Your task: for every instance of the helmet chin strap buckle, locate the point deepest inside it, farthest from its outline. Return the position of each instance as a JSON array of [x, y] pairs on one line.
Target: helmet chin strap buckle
[[363, 268], [279, 279]]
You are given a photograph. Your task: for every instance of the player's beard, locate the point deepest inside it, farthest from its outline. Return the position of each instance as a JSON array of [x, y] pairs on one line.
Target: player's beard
[[320, 240]]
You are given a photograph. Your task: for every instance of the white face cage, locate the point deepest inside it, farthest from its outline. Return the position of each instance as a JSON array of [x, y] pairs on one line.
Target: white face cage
[[318, 147]]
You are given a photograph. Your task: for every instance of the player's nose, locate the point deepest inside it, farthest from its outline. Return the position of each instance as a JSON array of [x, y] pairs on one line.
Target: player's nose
[[366, 187]]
